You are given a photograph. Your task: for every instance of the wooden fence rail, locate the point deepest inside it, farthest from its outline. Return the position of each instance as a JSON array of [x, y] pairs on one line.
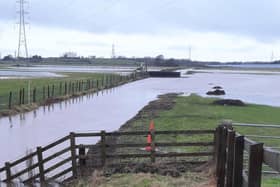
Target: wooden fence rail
[[231, 147], [77, 154]]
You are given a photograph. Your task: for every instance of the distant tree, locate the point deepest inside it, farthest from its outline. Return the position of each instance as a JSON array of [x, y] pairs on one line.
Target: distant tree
[[36, 58], [8, 58], [160, 57]]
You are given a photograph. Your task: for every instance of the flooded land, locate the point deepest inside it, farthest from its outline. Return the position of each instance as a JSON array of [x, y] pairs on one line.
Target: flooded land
[[109, 109]]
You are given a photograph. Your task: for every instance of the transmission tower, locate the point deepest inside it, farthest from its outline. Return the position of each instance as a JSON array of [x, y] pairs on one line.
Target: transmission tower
[[113, 51], [190, 53], [22, 42]]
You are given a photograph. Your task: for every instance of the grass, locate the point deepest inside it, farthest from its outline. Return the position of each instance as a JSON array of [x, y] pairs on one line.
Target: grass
[[195, 112], [13, 85], [189, 179]]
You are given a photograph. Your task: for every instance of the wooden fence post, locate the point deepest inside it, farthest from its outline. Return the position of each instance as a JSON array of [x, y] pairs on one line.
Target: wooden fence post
[[221, 158], [103, 148], [238, 161], [8, 173], [218, 149], [10, 100], [73, 154], [153, 151], [23, 96], [34, 95], [44, 93], [230, 157], [255, 165], [82, 154], [48, 91], [60, 88], [216, 145], [19, 97], [41, 164], [53, 90]]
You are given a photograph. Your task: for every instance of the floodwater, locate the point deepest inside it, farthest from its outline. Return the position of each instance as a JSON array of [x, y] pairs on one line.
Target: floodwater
[[249, 66], [108, 111], [41, 71]]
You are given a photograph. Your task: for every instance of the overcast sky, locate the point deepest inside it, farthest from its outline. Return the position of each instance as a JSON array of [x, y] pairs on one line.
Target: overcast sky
[[224, 30]]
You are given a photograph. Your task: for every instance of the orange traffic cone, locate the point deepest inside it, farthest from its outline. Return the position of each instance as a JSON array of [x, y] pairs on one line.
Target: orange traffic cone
[[152, 125], [149, 141]]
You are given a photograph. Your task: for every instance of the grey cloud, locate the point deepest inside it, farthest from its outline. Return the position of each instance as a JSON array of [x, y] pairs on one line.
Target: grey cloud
[[255, 18]]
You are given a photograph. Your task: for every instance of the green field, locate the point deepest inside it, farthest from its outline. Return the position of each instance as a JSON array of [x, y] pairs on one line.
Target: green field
[[195, 112], [58, 84]]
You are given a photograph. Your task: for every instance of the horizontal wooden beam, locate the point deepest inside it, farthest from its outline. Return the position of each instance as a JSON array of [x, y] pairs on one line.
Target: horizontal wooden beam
[[65, 150], [162, 144], [24, 171], [161, 155], [23, 159], [58, 165], [189, 132], [272, 158], [61, 140], [60, 174]]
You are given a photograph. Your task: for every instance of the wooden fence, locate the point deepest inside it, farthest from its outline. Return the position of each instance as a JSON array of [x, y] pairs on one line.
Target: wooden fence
[[28, 95], [77, 154], [230, 147]]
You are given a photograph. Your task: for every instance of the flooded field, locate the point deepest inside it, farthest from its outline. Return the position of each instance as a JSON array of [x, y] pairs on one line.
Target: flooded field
[[112, 108], [42, 71]]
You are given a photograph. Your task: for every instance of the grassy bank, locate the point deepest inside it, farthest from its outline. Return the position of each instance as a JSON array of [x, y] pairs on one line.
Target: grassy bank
[[21, 95], [173, 112]]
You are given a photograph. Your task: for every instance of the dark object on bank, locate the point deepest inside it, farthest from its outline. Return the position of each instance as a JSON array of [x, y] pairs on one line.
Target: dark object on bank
[[216, 92], [229, 102], [217, 87], [164, 74]]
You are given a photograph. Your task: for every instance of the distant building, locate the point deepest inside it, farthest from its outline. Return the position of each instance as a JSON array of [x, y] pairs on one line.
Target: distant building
[[70, 55]]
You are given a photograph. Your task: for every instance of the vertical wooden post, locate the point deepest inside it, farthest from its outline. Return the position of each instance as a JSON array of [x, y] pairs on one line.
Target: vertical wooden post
[[8, 173], [82, 154], [153, 146], [41, 164], [73, 154], [19, 97], [53, 90], [23, 96], [216, 142], [69, 91], [60, 89], [73, 88], [48, 91], [97, 84], [65, 88], [230, 157], [44, 93], [238, 161], [10, 100], [34, 95], [255, 165], [103, 148], [221, 158]]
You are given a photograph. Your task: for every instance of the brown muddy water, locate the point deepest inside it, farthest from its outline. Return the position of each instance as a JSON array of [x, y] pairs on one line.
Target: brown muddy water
[[112, 108]]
